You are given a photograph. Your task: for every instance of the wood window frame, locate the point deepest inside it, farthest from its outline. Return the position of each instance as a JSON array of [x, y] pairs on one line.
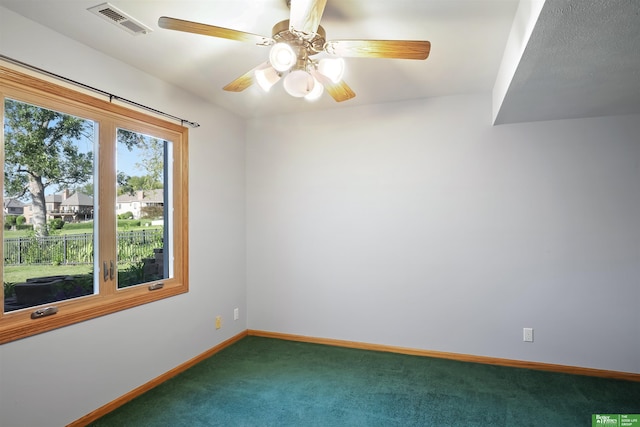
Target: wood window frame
[[29, 88]]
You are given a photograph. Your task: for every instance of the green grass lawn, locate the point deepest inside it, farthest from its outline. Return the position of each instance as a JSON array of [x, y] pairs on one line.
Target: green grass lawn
[[8, 234], [20, 273]]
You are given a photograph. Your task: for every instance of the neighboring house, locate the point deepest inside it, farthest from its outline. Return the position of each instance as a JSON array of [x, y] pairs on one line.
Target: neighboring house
[[13, 207], [134, 203], [74, 207], [27, 212], [53, 201], [78, 206]]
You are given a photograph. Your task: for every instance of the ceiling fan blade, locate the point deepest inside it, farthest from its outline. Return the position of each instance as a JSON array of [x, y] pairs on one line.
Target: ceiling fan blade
[[305, 15], [264, 74], [213, 31], [398, 49], [339, 91], [242, 82]]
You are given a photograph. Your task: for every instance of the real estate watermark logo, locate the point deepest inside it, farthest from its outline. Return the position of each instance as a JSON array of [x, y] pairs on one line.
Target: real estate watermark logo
[[615, 420], [605, 420]]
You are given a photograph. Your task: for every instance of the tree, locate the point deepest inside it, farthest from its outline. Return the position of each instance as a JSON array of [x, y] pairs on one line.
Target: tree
[[152, 162], [41, 150], [131, 184], [150, 152], [152, 212], [84, 189]]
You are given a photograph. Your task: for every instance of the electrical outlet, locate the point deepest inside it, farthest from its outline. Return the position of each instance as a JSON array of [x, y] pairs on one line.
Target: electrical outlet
[[218, 322], [236, 314], [527, 334]]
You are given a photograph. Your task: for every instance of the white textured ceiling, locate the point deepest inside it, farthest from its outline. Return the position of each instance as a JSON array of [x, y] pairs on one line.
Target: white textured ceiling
[[467, 38], [582, 58]]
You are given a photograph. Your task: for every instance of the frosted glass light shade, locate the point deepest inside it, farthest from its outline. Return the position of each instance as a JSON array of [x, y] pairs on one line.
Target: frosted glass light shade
[[282, 57], [332, 68], [316, 92], [266, 77], [299, 83]]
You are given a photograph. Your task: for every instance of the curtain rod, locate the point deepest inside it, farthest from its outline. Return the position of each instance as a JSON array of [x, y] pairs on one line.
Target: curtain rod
[[101, 92]]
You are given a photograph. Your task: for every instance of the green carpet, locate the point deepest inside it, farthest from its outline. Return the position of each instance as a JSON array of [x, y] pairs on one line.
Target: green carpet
[[270, 382]]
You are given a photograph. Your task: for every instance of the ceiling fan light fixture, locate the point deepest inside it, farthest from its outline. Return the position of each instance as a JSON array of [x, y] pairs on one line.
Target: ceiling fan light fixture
[[266, 76], [294, 43], [332, 68], [282, 57], [299, 83]]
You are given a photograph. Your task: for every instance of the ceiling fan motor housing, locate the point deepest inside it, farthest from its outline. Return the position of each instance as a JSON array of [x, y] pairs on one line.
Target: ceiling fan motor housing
[[312, 46]]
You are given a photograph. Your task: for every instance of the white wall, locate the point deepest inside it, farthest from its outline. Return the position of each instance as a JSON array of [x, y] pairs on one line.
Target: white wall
[[55, 378], [415, 224], [418, 224]]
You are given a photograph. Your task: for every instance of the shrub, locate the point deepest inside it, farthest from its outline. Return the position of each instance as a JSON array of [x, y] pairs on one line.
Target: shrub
[[125, 223], [9, 221], [9, 289], [132, 275], [126, 215], [56, 224], [20, 220]]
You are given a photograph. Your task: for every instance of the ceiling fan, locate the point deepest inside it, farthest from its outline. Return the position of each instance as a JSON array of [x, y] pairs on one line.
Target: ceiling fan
[[294, 43]]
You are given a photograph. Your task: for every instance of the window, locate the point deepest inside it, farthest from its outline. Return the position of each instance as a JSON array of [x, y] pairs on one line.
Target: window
[[75, 162]]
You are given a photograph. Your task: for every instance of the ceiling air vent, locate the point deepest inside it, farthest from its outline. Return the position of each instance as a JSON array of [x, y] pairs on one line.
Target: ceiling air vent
[[117, 17]]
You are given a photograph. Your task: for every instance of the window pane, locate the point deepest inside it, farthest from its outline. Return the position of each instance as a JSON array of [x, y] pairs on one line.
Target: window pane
[[48, 236], [143, 208]]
